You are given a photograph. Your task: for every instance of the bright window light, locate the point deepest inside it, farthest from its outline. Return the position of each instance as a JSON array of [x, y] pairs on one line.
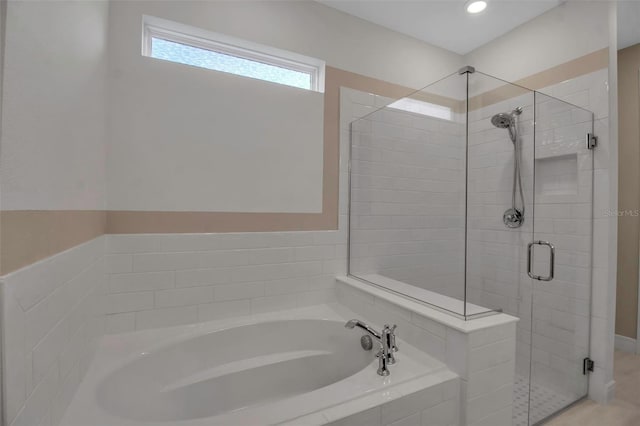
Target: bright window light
[[423, 108], [190, 55], [179, 43], [476, 6]]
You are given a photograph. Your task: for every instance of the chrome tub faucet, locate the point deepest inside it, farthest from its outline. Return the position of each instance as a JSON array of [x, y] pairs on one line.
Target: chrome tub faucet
[[387, 340]]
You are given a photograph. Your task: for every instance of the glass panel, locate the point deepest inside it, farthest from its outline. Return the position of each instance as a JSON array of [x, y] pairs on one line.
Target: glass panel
[[560, 318], [501, 123], [499, 114], [407, 207], [190, 55]]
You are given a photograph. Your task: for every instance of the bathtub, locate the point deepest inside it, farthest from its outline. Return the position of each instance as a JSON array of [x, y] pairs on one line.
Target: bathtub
[[263, 369]]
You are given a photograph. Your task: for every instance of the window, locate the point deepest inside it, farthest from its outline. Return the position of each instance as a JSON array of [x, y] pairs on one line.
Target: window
[[187, 45], [423, 108]]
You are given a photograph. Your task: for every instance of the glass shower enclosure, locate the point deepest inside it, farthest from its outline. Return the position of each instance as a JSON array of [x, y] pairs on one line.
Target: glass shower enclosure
[[474, 195]]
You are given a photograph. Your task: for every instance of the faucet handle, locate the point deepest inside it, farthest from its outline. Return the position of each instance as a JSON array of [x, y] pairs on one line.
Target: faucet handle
[[388, 343], [393, 347], [383, 363]]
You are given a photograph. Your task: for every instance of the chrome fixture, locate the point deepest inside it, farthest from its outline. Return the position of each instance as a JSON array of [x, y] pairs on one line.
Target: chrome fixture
[[552, 260], [466, 69], [592, 141], [366, 342], [387, 340], [513, 217]]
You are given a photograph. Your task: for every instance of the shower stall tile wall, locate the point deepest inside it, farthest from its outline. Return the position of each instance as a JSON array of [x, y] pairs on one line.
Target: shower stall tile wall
[[53, 314], [172, 279], [407, 195]]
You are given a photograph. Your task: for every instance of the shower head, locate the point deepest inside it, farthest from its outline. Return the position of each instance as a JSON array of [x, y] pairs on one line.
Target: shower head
[[502, 120], [505, 120]]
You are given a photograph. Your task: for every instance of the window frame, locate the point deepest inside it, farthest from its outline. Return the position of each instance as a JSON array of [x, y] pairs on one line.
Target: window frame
[[175, 32]]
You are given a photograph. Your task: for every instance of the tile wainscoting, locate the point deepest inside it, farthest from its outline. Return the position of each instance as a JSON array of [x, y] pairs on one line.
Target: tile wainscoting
[[53, 315], [174, 279]]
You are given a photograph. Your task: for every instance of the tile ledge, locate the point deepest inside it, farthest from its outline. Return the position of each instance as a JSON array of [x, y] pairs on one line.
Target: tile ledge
[[447, 320]]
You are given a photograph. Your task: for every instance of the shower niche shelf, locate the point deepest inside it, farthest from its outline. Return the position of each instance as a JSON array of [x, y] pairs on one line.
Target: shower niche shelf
[[557, 175]]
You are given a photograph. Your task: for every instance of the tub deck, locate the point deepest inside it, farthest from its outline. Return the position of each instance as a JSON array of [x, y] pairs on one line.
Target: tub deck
[[416, 377]]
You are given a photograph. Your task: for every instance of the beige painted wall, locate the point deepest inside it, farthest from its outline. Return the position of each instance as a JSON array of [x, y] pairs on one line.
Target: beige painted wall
[[629, 196], [53, 128]]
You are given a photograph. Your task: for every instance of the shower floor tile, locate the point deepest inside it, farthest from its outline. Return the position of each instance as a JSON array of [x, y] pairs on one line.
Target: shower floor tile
[[544, 402]]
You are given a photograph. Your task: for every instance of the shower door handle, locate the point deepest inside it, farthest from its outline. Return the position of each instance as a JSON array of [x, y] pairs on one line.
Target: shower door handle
[[552, 260]]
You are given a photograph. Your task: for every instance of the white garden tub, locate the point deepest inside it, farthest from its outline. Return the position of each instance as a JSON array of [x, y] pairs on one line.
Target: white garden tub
[[263, 369]]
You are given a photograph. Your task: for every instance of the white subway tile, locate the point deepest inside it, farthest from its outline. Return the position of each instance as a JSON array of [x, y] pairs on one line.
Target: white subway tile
[[490, 379], [62, 398], [273, 303], [491, 355], [238, 291], [412, 403], [370, 417], [309, 253], [316, 297], [141, 281], [429, 325], [45, 354], [147, 262], [412, 420], [503, 416], [287, 286], [219, 310], [489, 403], [183, 297], [38, 405], [72, 351], [443, 414], [271, 255], [14, 354], [129, 302], [457, 352], [166, 317], [119, 263], [203, 277], [49, 311], [224, 258]]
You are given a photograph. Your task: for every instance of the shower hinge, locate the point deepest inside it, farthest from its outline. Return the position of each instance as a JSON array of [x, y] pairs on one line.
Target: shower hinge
[[587, 366], [592, 141]]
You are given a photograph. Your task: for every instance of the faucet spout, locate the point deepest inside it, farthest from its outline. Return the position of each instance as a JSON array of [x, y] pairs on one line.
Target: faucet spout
[[387, 339], [357, 323]]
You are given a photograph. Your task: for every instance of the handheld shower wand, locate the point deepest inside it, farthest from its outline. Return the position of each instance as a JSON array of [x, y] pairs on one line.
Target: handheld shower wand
[[513, 217]]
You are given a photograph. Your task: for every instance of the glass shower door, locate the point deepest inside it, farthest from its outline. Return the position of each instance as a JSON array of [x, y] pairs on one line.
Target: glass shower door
[[560, 256]]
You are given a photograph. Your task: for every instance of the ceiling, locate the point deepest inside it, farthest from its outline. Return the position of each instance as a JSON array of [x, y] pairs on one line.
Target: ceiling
[[446, 23], [628, 23]]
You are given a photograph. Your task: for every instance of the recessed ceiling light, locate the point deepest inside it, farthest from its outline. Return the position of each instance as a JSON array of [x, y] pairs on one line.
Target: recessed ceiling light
[[475, 6]]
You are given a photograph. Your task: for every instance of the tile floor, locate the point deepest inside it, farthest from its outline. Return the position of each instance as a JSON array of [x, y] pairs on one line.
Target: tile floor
[[624, 410], [544, 402]]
